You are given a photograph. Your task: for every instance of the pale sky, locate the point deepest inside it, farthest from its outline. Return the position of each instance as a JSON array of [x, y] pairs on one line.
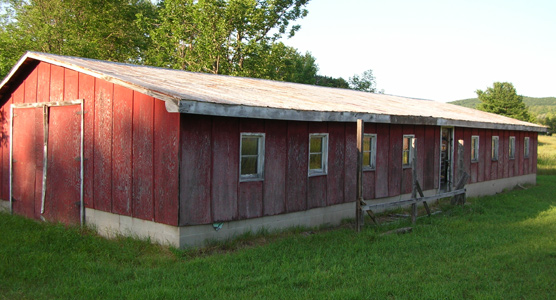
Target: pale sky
[[433, 49]]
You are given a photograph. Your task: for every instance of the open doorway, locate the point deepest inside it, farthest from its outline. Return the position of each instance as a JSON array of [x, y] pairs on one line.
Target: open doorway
[[446, 155]]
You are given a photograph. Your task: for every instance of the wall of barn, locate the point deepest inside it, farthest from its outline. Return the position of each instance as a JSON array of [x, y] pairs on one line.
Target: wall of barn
[[485, 168], [209, 179], [131, 145]]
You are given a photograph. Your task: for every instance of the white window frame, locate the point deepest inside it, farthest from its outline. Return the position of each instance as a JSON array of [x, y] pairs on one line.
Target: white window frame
[[474, 148], [409, 151], [511, 147], [323, 170], [495, 144], [372, 151], [259, 176], [526, 149]]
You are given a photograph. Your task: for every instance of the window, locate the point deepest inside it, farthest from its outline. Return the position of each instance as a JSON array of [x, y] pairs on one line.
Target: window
[[369, 152], [474, 148], [512, 147], [526, 147], [495, 148], [407, 152], [251, 157], [318, 153]]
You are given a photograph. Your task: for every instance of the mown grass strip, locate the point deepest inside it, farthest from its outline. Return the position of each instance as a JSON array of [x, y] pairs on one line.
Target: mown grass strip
[[499, 247]]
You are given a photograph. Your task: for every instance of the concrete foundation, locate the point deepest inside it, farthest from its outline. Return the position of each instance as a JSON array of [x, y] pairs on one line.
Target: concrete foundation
[[4, 206], [109, 224]]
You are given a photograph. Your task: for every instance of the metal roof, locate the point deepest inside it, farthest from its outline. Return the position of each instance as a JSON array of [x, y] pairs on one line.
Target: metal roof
[[220, 95]]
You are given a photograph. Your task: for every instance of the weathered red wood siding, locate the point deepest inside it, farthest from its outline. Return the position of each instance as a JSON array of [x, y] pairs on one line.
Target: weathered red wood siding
[[131, 149], [210, 190]]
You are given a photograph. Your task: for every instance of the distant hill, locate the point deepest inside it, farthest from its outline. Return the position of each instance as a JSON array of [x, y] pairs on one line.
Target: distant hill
[[536, 106]]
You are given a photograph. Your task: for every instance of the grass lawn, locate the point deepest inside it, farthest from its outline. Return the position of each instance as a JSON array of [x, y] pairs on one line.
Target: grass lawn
[[499, 247], [546, 162]]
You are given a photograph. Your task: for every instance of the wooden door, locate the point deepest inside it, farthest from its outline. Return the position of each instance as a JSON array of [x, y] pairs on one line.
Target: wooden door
[[24, 162], [62, 202], [47, 187]]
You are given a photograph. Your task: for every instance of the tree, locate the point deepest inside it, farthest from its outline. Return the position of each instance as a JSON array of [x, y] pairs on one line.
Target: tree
[[331, 82], [221, 36], [101, 29], [549, 120], [364, 82], [503, 99]]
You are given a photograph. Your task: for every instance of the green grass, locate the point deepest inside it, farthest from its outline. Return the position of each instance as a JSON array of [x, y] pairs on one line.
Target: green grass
[[546, 160], [499, 247]]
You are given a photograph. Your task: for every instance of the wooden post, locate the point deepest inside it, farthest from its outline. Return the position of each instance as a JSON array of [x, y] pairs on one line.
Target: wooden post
[[461, 173], [359, 187], [414, 175]]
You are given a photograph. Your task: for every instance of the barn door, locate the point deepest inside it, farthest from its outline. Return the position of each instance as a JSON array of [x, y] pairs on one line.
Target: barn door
[[23, 160], [56, 151]]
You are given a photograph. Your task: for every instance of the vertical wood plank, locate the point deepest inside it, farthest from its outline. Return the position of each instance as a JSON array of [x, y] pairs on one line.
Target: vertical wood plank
[[473, 167], [336, 156], [420, 136], [250, 196], [87, 93], [437, 149], [429, 157], [316, 185], [274, 199], [166, 163], [518, 171], [43, 82], [195, 170], [3, 148], [350, 159], [31, 86], [359, 170], [122, 152], [103, 146], [71, 87], [504, 153], [395, 161], [297, 166], [143, 170], [24, 160], [382, 160], [533, 153], [225, 168], [482, 155], [57, 77], [5, 185]]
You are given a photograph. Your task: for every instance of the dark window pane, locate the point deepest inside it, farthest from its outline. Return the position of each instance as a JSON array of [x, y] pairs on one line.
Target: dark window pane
[[249, 146], [316, 145], [315, 161], [248, 165]]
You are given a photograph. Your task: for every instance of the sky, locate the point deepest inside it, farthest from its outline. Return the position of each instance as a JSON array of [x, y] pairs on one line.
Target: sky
[[433, 49]]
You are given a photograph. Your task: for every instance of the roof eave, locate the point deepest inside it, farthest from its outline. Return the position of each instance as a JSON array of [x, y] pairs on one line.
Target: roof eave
[[257, 112]]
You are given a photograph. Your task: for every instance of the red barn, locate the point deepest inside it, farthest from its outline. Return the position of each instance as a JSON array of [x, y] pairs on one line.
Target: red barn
[[184, 157]]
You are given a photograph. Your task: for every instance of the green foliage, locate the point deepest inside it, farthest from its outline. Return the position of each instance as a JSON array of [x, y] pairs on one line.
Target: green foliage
[[498, 247], [234, 37], [548, 119], [331, 82], [364, 82], [503, 99], [101, 29]]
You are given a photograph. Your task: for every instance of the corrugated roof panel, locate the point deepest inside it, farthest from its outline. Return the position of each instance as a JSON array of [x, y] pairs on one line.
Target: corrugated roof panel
[[257, 98]]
